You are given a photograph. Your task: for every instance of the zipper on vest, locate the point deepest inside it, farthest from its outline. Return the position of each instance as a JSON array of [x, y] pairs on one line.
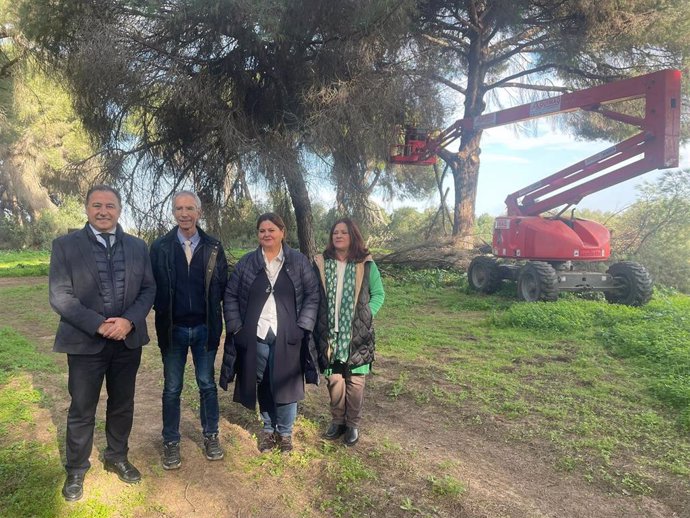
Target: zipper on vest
[[111, 273]]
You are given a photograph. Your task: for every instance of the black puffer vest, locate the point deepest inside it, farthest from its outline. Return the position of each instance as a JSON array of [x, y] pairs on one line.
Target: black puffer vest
[[363, 342], [111, 274]]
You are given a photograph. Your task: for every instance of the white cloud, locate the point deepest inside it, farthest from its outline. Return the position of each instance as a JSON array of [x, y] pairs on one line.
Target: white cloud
[[495, 157]]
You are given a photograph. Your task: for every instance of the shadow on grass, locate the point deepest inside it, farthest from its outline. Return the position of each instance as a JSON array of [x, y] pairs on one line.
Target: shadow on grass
[[30, 477]]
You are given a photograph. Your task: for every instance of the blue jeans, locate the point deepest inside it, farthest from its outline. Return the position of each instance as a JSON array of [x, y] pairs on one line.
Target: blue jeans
[[174, 361], [276, 418]]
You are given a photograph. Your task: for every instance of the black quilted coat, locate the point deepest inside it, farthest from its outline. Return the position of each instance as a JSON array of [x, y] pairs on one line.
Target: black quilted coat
[[293, 340]]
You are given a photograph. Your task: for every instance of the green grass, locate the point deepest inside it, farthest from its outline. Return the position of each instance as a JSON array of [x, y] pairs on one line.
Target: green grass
[[605, 386], [29, 470], [33, 263], [655, 339], [25, 263], [18, 355], [446, 486], [599, 389], [17, 401], [348, 474]]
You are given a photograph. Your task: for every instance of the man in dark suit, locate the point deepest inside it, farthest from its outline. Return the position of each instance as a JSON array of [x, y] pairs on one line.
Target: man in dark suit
[[102, 286]]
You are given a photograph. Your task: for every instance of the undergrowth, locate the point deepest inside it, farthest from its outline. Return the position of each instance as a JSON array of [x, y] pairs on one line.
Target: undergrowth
[[655, 338]]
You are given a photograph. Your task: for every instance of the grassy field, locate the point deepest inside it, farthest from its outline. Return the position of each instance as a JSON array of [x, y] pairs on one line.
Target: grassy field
[[592, 397], [36, 262], [24, 264], [598, 383]]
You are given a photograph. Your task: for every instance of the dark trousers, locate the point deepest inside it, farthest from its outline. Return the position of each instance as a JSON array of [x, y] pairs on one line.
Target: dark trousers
[[118, 365]]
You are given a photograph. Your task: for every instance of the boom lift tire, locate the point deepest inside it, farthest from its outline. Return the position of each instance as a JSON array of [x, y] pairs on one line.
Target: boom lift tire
[[633, 285], [483, 274], [537, 281]]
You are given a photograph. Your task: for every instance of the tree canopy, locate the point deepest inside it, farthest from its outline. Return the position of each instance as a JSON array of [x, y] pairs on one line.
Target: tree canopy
[[479, 48], [186, 91], [41, 136], [215, 95]]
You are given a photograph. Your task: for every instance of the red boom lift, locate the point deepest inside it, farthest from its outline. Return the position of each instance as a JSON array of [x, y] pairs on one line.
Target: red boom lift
[[538, 250]]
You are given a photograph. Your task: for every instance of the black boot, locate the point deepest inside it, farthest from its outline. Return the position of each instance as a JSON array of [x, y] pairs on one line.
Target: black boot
[[351, 436], [334, 431]]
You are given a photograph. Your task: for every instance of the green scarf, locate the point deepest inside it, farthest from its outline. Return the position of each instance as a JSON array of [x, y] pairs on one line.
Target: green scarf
[[340, 341]]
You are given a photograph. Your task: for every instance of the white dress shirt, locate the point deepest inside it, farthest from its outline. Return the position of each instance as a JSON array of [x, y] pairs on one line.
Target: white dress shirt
[[269, 314], [194, 240], [101, 239]]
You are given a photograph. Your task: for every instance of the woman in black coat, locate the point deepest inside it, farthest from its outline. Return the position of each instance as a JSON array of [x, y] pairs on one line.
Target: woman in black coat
[[270, 306]]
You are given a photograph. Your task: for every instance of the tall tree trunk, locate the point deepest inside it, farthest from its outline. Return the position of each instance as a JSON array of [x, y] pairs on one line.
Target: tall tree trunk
[[352, 188], [297, 188], [465, 164], [22, 171], [465, 168]]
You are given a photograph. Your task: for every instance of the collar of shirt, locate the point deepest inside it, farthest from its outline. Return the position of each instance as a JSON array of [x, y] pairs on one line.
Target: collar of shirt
[[100, 238], [277, 260], [194, 239]]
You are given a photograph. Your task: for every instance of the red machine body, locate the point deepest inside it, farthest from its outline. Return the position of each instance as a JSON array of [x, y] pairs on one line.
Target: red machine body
[[415, 150], [524, 233], [553, 240]]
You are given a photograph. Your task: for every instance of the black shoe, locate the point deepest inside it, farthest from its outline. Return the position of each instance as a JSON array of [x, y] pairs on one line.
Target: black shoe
[[124, 469], [351, 436], [171, 455], [334, 431], [73, 489], [267, 441], [212, 447]]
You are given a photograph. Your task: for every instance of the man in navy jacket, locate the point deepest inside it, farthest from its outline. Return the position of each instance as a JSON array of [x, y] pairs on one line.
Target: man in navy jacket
[[191, 272]]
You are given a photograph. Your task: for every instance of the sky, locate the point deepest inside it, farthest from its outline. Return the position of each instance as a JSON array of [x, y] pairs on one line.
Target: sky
[[510, 162]]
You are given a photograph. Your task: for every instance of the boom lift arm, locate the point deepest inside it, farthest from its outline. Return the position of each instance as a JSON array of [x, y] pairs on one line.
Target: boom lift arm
[[656, 146]]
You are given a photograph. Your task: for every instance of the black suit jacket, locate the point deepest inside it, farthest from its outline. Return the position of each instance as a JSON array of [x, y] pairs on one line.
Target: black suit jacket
[[75, 292]]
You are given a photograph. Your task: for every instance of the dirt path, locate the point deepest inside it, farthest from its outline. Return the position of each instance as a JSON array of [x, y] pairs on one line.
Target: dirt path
[[404, 443], [10, 282], [504, 477]]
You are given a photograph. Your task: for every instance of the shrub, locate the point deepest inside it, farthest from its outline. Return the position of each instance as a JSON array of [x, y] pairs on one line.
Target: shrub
[[41, 232]]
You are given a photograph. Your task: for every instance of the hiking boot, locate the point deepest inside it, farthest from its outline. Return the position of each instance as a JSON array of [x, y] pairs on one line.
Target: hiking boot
[[284, 443], [334, 431], [212, 447], [267, 441], [171, 455]]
